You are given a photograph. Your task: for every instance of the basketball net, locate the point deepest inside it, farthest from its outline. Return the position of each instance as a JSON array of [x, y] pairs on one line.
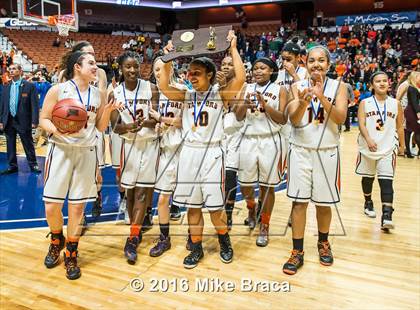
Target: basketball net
[[63, 23]]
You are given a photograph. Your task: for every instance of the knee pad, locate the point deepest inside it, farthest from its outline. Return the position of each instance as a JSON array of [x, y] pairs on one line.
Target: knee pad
[[387, 191], [367, 184], [231, 185]]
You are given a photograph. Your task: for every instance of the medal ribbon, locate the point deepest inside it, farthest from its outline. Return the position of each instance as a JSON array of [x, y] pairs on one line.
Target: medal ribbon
[[257, 104], [135, 100], [312, 100], [196, 116], [80, 97], [383, 119]]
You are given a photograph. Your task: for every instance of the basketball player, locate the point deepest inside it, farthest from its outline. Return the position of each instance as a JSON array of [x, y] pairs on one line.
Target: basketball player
[[201, 168], [380, 121], [70, 167], [319, 107], [291, 72], [260, 149], [140, 149], [115, 145], [101, 83], [168, 118], [231, 140]]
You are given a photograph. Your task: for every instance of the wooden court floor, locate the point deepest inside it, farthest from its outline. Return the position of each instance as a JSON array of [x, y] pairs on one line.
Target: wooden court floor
[[372, 270]]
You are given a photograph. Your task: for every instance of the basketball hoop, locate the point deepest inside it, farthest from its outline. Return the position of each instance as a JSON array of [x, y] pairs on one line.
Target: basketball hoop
[[62, 22]]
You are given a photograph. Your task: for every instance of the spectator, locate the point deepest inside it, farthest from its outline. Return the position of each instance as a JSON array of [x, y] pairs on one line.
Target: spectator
[[412, 111], [19, 113], [42, 86], [260, 53], [56, 42]]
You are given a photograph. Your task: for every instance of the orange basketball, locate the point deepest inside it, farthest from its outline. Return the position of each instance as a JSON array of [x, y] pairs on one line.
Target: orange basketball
[[69, 115]]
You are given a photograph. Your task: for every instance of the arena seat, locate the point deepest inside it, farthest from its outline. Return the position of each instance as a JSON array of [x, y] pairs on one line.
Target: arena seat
[[37, 45]]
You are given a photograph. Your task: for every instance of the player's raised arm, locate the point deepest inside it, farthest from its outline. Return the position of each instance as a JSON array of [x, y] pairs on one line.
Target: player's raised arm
[[235, 85]]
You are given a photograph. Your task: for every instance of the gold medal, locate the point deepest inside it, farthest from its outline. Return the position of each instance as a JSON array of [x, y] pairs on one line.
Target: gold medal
[[257, 112], [194, 128], [316, 122]]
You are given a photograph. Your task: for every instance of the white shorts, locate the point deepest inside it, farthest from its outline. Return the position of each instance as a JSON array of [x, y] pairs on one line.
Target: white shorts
[[100, 149], [313, 175], [384, 167], [168, 165], [115, 142], [139, 163], [200, 178], [70, 170], [231, 148], [259, 160], [285, 135]]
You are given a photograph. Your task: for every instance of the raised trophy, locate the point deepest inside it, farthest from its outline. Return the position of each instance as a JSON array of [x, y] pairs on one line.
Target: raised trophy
[[198, 42]]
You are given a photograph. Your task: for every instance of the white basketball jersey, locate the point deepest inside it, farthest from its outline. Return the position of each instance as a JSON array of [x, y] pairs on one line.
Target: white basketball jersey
[[171, 137], [315, 130], [257, 122], [136, 102], [385, 137], [209, 125], [87, 135], [286, 80]]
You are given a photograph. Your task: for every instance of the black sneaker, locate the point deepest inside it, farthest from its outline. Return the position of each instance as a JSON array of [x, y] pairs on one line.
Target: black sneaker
[[147, 222], [130, 249], [325, 254], [72, 270], [56, 246], [294, 262], [386, 219], [175, 213], [97, 206], [369, 210], [226, 251], [192, 259]]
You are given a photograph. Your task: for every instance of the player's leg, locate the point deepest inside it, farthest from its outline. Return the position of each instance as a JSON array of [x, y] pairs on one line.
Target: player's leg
[[386, 171], [219, 220], [54, 215], [195, 225], [298, 232], [136, 210], [323, 216], [366, 167], [74, 230], [164, 241], [230, 194], [267, 200]]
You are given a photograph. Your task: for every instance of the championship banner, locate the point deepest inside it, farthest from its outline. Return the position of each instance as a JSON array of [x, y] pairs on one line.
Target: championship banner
[[379, 18], [203, 41]]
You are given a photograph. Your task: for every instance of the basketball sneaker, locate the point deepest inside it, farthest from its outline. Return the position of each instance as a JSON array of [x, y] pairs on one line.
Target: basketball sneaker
[[294, 262], [325, 254], [130, 249], [386, 219], [163, 245], [70, 260], [369, 210], [175, 213], [54, 251], [262, 239], [226, 251], [97, 206], [196, 254]]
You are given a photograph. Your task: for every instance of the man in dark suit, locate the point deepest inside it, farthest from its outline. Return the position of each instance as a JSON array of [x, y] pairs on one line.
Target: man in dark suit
[[19, 113]]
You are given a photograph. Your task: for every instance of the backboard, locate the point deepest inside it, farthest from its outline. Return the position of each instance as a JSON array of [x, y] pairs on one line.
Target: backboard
[[46, 12]]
